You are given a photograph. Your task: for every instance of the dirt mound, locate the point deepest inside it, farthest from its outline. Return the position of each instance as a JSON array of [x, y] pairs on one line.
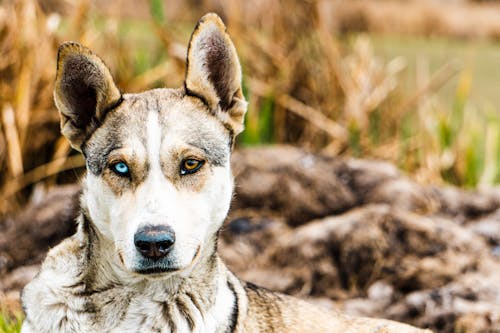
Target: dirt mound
[[25, 239], [378, 261], [350, 234]]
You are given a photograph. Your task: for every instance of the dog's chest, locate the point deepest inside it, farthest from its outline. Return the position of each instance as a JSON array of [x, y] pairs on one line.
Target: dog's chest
[[116, 309], [122, 310], [125, 311]]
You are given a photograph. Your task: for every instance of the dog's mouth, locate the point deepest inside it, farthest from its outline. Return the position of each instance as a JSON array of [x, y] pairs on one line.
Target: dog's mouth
[[156, 270], [166, 265]]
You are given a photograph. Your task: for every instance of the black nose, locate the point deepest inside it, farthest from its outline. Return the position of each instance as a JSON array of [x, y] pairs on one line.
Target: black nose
[[154, 242]]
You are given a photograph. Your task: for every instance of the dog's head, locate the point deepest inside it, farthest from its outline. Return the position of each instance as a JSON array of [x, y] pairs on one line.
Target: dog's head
[[158, 183]]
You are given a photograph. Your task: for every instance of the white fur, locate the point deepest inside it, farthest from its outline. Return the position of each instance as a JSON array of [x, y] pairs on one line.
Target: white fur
[[194, 215]]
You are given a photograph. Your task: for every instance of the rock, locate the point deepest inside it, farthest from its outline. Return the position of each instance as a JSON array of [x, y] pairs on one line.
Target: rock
[[299, 185], [488, 227], [471, 299], [382, 292]]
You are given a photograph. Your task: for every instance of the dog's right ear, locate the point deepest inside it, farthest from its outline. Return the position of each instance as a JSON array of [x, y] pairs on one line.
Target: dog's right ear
[[84, 91]]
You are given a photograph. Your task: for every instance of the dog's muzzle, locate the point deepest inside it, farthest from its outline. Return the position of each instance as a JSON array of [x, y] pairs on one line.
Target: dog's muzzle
[[154, 242]]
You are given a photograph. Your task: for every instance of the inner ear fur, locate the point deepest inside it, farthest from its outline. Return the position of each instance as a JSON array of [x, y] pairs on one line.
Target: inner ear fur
[[84, 91], [213, 72]]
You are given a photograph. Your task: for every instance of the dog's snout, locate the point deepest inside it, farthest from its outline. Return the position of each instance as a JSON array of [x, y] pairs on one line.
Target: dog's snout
[[154, 242]]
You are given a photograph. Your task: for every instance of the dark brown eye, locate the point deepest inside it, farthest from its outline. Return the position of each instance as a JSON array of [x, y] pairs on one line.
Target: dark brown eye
[[190, 166]]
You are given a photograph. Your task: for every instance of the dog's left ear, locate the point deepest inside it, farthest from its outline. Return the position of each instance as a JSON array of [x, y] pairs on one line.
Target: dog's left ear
[[213, 72]]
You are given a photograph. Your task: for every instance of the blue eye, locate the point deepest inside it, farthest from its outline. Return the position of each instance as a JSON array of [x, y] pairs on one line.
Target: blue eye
[[121, 169]]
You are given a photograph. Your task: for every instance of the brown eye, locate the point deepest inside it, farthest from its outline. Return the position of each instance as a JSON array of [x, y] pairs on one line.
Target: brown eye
[[190, 166]]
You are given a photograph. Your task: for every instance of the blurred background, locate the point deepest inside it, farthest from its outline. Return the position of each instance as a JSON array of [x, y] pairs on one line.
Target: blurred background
[[415, 83], [412, 82]]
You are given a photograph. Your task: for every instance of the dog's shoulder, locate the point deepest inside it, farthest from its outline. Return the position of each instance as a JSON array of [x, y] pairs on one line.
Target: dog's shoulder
[[46, 298], [271, 311]]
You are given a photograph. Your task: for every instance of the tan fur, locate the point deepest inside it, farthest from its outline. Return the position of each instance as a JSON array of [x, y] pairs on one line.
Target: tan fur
[[96, 281]]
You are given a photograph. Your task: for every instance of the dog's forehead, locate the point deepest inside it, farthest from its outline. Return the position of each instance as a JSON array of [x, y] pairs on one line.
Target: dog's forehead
[[177, 113], [180, 119]]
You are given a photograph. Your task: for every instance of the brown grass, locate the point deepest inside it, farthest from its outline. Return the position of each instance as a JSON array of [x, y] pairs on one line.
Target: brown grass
[[27, 47]]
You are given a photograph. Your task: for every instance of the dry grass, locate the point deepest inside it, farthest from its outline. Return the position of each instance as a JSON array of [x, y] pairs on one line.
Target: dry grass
[[27, 55], [304, 85]]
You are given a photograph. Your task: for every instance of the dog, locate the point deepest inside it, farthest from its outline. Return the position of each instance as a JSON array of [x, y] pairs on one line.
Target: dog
[[157, 190]]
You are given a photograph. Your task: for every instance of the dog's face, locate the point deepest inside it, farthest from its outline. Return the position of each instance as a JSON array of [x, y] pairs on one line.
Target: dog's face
[[158, 183], [160, 161]]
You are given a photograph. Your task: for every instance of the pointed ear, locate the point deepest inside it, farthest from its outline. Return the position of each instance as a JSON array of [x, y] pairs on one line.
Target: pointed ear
[[214, 74], [84, 91]]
